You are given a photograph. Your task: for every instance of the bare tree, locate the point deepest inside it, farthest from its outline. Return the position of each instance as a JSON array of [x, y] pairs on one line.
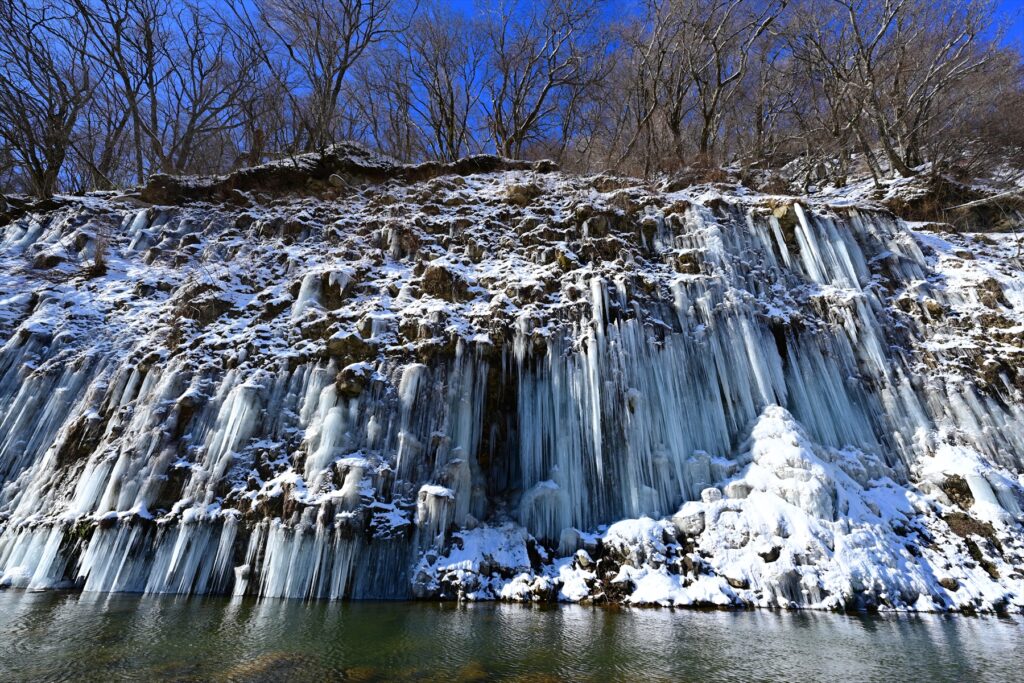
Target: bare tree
[[179, 88], [202, 91], [101, 143], [638, 78], [895, 61], [381, 109], [687, 61], [444, 52], [535, 51], [10, 175], [261, 109], [128, 36], [309, 46], [704, 47], [101, 93], [981, 135], [761, 116], [45, 83]]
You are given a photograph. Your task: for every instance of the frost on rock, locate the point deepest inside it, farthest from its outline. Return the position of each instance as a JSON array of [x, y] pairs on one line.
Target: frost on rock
[[339, 377]]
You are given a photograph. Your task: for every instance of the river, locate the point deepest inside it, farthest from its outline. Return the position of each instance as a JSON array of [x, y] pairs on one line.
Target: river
[[72, 636]]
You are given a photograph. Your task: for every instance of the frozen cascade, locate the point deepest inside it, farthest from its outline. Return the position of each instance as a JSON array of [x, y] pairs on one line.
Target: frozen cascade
[[309, 293], [331, 424]]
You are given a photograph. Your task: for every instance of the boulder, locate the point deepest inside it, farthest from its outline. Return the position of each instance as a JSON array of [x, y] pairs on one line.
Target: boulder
[[522, 194], [442, 282], [352, 379], [711, 495], [737, 490], [349, 347], [689, 523]]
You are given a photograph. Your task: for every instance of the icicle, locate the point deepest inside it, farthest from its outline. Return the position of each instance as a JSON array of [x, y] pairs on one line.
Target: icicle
[[435, 510], [309, 294]]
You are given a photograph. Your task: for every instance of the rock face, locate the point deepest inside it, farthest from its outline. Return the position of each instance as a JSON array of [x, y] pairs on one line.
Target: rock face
[[489, 380]]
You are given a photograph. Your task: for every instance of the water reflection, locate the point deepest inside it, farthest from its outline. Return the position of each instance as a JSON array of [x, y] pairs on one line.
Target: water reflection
[[49, 636]]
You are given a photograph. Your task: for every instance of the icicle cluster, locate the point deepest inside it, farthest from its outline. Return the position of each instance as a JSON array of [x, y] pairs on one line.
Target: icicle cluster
[[339, 401]]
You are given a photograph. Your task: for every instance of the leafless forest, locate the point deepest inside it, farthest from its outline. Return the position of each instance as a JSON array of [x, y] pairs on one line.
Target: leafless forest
[[99, 94]]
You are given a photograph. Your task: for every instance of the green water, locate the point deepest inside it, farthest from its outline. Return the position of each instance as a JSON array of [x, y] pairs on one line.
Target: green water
[[66, 636]]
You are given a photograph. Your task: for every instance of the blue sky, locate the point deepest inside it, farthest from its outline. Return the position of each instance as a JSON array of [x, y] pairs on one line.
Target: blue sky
[[1013, 10]]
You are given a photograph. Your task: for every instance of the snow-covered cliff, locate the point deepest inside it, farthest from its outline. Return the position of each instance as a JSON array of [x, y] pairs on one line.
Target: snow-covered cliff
[[492, 380]]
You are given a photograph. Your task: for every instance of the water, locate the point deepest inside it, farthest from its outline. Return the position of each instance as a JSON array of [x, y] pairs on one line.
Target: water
[[64, 636]]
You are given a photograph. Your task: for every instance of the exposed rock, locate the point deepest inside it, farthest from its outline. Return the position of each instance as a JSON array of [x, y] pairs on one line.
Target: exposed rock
[[443, 283], [956, 488], [738, 582], [521, 194], [737, 490], [687, 262], [45, 260], [710, 495], [964, 525], [349, 163], [202, 302], [349, 348], [352, 379], [991, 293], [691, 524]]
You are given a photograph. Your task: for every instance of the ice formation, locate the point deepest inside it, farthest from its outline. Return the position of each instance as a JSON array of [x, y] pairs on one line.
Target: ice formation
[[431, 388]]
